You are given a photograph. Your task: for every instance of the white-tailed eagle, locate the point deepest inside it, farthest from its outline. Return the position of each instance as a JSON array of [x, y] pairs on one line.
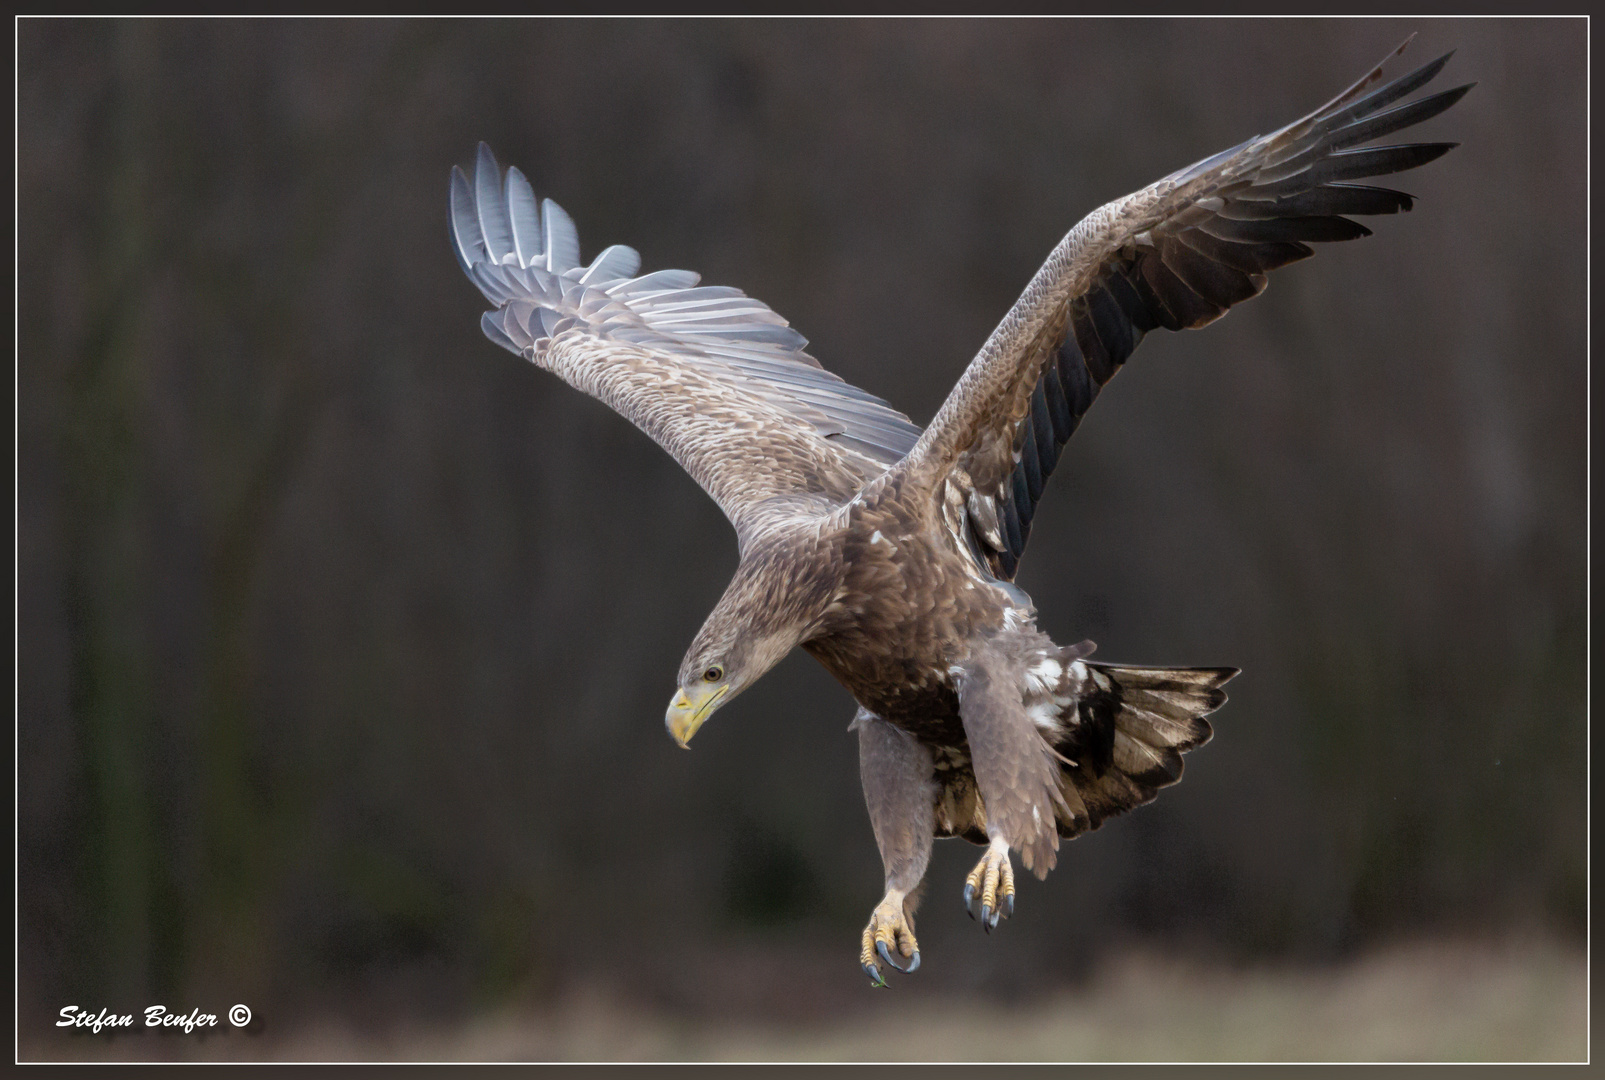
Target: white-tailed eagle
[[888, 551]]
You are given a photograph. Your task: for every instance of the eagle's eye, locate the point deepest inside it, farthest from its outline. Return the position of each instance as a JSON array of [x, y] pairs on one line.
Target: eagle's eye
[[713, 674]]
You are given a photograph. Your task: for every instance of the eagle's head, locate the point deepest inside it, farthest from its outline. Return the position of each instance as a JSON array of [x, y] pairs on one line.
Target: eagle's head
[[708, 678], [736, 646], [771, 606]]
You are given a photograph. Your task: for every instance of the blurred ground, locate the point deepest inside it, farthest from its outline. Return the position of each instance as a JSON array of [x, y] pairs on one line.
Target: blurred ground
[[1441, 1001]]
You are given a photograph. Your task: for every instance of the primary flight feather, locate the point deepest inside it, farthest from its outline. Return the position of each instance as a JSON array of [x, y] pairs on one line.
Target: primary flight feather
[[889, 552]]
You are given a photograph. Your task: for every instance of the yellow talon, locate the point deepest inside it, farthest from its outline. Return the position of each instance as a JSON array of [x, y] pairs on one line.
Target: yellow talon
[[973, 882], [890, 932], [866, 956], [993, 876]]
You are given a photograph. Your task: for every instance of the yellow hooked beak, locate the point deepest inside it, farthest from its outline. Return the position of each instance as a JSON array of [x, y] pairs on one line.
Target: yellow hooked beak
[[688, 711]]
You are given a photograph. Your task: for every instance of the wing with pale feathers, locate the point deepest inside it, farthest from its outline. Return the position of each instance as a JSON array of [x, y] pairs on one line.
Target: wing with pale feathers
[[713, 376], [1175, 255]]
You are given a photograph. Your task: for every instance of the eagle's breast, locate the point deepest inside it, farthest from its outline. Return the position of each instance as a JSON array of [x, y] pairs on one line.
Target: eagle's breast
[[908, 608]]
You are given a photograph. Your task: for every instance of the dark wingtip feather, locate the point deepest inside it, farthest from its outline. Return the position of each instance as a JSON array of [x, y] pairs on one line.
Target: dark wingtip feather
[[1377, 124], [1365, 80], [1350, 107]]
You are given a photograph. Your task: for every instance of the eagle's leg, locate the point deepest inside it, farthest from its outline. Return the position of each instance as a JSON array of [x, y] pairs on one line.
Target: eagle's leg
[[993, 877], [1015, 771], [900, 791]]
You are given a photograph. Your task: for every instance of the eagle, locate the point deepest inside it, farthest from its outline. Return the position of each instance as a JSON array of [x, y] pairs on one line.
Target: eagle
[[888, 551]]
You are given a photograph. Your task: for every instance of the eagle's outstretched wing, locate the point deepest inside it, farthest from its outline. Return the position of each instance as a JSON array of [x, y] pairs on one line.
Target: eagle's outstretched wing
[[713, 376], [1175, 255]]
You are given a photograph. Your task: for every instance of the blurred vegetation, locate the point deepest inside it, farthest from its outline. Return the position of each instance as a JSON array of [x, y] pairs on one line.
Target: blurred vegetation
[[1441, 1001], [345, 636]]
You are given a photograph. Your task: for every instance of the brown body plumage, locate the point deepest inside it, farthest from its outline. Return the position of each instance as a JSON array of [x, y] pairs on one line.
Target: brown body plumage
[[888, 552]]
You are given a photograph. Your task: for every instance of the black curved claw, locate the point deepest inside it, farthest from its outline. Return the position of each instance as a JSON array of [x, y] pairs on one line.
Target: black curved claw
[[996, 915], [886, 956], [880, 947], [876, 979], [914, 964], [987, 921], [969, 899], [1008, 912]]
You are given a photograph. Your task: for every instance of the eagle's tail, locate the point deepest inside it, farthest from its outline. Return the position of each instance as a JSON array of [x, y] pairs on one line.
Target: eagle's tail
[[1125, 734]]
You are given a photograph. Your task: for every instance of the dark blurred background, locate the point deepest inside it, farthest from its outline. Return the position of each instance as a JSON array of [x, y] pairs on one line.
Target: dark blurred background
[[345, 636]]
